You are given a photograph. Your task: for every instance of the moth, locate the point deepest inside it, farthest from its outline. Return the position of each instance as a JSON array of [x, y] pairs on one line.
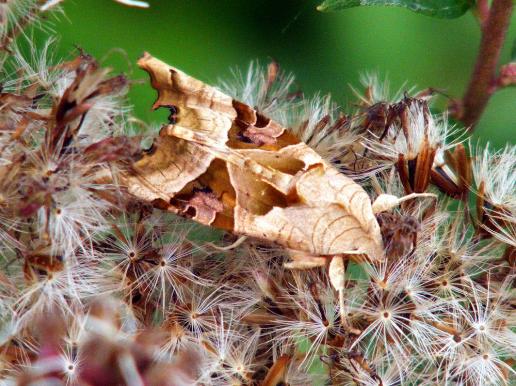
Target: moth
[[226, 165]]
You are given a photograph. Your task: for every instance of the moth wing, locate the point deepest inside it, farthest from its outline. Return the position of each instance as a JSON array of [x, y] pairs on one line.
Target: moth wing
[[173, 162]]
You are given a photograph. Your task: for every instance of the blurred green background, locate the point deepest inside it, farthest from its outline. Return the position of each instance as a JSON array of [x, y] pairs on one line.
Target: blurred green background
[[326, 51]]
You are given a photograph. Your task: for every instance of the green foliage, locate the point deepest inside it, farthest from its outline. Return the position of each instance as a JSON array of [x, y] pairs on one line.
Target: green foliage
[[445, 9], [513, 51]]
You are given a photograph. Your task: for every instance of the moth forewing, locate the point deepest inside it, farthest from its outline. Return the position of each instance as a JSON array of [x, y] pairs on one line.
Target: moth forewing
[[270, 185]]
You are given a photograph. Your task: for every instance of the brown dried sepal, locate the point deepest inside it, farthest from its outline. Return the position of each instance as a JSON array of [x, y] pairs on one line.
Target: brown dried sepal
[[415, 173], [281, 191], [276, 374], [453, 176], [13, 102], [490, 218]]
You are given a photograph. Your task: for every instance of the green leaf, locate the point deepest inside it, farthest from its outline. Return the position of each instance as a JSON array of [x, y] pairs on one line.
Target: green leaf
[[446, 9], [513, 51]]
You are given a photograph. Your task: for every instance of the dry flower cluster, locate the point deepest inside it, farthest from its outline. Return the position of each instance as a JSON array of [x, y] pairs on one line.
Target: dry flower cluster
[[99, 287]]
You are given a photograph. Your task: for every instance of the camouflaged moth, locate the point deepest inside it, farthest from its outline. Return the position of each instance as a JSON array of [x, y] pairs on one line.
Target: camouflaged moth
[[226, 165]]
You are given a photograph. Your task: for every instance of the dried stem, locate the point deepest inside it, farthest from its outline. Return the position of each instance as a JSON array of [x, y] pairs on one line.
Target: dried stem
[[493, 35]]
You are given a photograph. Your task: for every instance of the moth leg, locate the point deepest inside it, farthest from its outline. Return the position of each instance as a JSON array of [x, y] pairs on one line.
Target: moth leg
[[385, 202], [303, 260], [229, 247]]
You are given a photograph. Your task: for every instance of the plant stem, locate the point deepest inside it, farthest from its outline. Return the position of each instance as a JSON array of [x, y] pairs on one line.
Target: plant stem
[[493, 35], [482, 11]]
